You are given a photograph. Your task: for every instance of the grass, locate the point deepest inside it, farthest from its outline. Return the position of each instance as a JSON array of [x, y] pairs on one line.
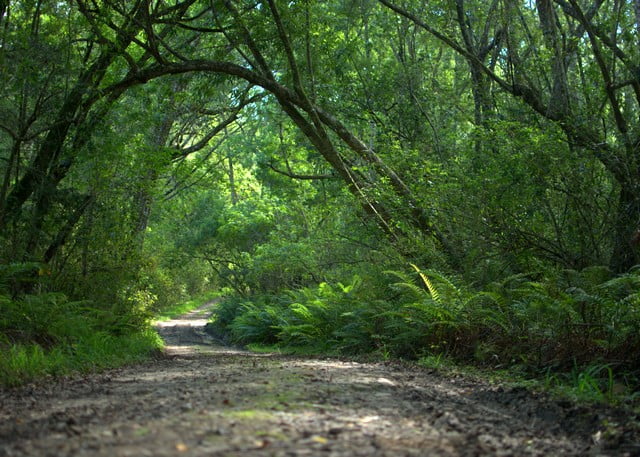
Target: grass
[[182, 308], [592, 384], [45, 335], [74, 344], [22, 363]]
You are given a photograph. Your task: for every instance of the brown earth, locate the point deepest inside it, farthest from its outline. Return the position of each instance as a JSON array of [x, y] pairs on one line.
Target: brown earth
[[204, 399]]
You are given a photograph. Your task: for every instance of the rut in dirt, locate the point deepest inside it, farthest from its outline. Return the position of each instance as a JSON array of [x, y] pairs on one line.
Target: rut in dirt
[[204, 399]]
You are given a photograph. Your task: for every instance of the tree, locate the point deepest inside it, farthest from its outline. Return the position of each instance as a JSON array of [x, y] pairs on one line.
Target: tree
[[321, 127], [568, 64], [50, 114]]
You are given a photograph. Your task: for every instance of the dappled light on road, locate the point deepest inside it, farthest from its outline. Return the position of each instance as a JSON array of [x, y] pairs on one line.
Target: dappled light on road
[[204, 399]]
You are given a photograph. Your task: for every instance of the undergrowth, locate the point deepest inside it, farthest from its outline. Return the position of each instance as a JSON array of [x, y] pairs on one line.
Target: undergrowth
[[567, 328], [47, 334], [20, 363]]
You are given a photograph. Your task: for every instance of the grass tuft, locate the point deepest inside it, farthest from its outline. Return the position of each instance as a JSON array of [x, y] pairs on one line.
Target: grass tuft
[[22, 363]]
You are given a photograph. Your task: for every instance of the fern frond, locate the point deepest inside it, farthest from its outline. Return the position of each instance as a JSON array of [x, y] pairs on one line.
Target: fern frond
[[484, 298], [442, 280], [427, 282], [596, 274], [620, 286], [515, 278], [415, 290], [301, 311], [400, 275]]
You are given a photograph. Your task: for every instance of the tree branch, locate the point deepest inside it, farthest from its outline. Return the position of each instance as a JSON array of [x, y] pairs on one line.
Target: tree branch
[[292, 175]]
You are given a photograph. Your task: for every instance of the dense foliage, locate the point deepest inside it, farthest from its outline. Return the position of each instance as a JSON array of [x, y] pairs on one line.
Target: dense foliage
[[555, 321], [409, 178]]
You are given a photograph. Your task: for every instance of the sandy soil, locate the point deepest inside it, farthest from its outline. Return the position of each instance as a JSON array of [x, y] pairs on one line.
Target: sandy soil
[[203, 399]]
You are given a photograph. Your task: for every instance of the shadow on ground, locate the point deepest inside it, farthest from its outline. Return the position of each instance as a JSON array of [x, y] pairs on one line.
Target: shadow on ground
[[201, 398]]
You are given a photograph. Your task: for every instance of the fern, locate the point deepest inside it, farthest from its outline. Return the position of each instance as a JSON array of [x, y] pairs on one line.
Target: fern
[[20, 271], [299, 334], [256, 323], [483, 299], [301, 311], [619, 287], [416, 291], [509, 282], [429, 285], [484, 316], [406, 284]]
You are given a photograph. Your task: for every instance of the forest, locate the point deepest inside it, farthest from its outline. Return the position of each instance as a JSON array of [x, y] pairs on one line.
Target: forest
[[449, 180]]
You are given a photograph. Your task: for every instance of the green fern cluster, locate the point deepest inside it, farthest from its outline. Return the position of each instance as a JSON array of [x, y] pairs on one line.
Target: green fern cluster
[[555, 320], [558, 320], [324, 317]]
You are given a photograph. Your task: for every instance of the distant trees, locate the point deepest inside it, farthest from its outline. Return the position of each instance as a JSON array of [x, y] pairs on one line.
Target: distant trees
[[493, 130], [575, 65], [567, 63]]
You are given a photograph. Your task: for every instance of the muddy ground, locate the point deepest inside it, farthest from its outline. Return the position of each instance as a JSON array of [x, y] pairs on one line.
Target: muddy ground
[[204, 399]]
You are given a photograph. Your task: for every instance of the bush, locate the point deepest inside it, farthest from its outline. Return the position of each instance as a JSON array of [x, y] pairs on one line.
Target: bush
[[562, 320], [47, 334]]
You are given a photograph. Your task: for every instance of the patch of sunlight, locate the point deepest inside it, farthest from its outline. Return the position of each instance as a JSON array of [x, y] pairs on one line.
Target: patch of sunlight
[[181, 323], [156, 376], [252, 414], [333, 364]]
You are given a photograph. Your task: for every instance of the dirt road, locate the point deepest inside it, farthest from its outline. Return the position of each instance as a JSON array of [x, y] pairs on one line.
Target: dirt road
[[203, 399]]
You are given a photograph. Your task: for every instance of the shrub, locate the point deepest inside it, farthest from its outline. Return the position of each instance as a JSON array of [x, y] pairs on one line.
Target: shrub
[[47, 333], [560, 320]]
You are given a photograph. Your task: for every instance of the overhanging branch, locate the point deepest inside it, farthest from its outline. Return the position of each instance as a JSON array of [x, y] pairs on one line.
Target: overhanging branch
[[293, 175]]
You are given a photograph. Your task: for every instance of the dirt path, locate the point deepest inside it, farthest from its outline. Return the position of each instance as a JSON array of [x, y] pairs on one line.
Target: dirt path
[[208, 400]]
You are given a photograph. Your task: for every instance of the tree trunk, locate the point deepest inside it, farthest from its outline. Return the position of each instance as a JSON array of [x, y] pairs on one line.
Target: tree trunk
[[558, 92], [65, 231], [626, 242]]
